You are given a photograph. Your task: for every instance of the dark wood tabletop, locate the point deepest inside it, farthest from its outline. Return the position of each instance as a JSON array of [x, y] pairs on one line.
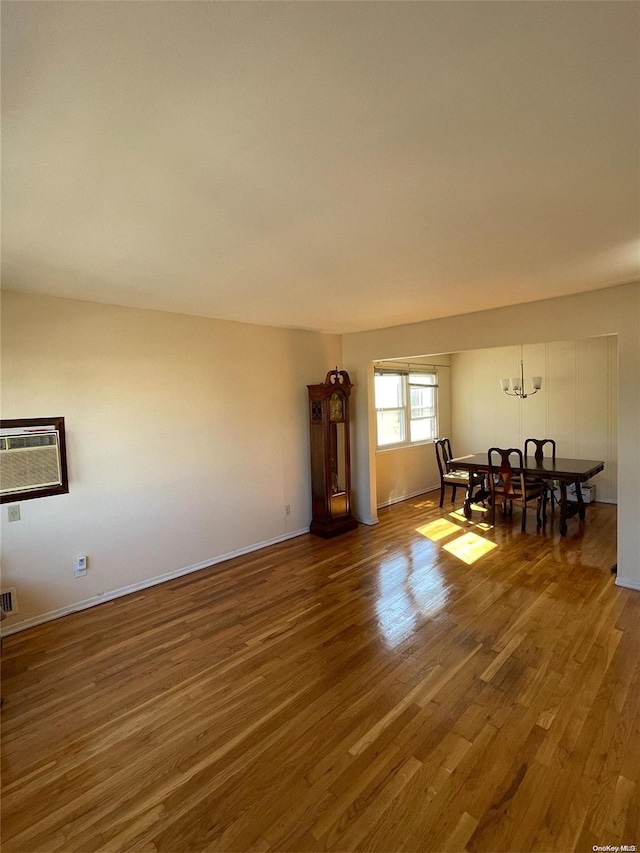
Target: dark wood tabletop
[[569, 470]]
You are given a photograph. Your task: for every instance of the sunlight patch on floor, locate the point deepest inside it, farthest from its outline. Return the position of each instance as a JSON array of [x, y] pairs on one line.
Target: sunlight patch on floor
[[469, 547], [438, 529], [459, 513], [425, 504]]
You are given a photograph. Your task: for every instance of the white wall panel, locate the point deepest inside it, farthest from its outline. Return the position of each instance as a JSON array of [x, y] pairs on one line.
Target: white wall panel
[[560, 384], [461, 409], [506, 364], [592, 398], [612, 414], [483, 416], [534, 410]]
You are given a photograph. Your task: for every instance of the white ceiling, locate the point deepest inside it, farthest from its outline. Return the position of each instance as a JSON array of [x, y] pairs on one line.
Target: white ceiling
[[320, 165]]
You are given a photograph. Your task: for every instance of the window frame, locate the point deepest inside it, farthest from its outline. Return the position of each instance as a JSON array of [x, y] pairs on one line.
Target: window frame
[[406, 408], [35, 425]]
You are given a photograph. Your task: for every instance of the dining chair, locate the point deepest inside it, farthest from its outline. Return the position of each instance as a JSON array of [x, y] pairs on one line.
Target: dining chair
[[448, 476], [508, 483], [539, 444]]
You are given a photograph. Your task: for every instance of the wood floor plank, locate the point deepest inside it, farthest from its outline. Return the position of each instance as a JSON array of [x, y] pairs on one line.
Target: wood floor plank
[[372, 692]]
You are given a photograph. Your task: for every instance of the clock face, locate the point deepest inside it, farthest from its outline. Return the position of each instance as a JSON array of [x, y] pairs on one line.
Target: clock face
[[336, 407]]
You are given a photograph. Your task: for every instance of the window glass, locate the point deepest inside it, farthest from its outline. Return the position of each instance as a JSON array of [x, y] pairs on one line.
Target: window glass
[[390, 427], [388, 390], [423, 429], [423, 402]]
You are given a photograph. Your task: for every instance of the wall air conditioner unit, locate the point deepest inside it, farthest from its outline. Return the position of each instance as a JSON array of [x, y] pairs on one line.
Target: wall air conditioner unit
[[32, 459]]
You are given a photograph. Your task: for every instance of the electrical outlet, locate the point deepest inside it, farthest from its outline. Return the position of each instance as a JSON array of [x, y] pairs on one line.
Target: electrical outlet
[[287, 509], [80, 566], [14, 513]]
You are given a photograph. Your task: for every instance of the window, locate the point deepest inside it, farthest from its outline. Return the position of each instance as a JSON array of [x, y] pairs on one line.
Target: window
[[406, 407]]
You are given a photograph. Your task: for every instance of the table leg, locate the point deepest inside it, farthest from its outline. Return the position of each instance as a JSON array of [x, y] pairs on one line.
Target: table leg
[[563, 508], [468, 497], [581, 507], [475, 479]]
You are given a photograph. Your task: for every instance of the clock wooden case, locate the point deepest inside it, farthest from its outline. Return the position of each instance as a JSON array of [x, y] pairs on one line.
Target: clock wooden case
[[330, 456]]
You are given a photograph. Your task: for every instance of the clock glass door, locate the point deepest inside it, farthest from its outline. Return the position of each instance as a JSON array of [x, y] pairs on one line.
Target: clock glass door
[[338, 470]]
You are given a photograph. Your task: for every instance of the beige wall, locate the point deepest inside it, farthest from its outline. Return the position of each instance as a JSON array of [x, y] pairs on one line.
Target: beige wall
[[577, 406], [186, 439], [612, 311]]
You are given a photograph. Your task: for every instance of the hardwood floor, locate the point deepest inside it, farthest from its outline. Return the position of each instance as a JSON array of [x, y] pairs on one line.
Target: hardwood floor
[[373, 692]]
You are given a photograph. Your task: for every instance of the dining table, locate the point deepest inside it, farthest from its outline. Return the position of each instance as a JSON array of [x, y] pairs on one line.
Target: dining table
[[561, 470]]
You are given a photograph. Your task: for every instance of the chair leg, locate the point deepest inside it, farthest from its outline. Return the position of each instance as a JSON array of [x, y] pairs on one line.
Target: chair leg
[[453, 494], [441, 493], [524, 516]]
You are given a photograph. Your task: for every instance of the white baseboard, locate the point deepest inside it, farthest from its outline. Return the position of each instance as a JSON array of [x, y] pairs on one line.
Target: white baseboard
[[369, 522], [135, 587], [628, 584], [408, 497]]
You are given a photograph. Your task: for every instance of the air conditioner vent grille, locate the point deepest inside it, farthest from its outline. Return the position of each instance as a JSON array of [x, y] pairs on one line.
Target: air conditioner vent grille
[[9, 601], [29, 462]]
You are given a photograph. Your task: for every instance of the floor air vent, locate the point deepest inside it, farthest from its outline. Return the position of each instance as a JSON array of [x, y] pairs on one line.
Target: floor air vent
[[9, 601]]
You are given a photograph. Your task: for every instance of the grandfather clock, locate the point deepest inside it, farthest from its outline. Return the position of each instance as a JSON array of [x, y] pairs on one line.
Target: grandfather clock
[[330, 462]]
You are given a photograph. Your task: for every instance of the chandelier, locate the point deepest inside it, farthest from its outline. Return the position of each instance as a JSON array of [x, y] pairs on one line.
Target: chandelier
[[514, 387]]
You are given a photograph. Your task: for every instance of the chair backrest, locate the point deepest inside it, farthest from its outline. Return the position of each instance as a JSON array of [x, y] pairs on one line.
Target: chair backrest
[[539, 444], [443, 454], [506, 466]]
